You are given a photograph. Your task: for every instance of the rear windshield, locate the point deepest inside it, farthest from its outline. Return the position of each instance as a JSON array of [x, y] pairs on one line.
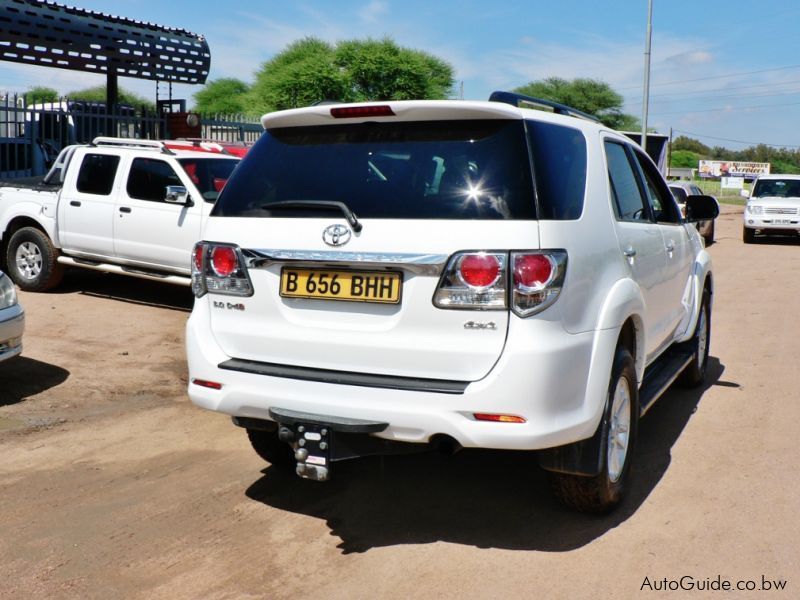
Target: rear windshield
[[477, 169], [781, 188]]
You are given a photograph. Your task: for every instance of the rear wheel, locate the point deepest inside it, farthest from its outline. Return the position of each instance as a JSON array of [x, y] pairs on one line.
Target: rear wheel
[[709, 237], [602, 492], [32, 260], [267, 445], [748, 235]]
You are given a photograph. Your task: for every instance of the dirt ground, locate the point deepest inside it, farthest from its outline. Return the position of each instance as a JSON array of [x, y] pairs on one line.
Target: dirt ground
[[112, 485]]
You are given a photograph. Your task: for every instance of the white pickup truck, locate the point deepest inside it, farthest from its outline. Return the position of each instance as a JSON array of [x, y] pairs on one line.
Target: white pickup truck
[[133, 207]]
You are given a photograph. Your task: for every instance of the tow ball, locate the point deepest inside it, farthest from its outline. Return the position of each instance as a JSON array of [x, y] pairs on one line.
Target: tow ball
[[313, 439], [312, 449]]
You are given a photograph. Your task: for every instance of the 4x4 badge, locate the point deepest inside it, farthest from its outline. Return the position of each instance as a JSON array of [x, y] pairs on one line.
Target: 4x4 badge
[[336, 235]]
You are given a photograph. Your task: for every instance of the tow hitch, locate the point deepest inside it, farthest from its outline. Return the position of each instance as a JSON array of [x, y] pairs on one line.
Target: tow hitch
[[320, 440]]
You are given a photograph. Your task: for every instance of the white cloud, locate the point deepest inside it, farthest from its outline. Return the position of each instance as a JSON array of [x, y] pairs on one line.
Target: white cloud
[[374, 11]]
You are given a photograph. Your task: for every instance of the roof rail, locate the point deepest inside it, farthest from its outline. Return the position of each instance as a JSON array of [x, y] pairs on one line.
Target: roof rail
[[132, 143], [515, 99]]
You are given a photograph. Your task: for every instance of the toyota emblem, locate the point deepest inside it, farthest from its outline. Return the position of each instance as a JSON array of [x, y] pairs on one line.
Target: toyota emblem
[[336, 235]]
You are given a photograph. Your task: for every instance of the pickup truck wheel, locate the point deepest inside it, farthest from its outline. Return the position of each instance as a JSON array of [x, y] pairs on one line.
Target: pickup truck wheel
[[618, 428], [694, 374], [32, 260], [709, 237], [267, 445], [748, 235]]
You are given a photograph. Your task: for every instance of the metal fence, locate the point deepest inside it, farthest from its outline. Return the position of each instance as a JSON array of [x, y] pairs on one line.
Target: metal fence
[[33, 133]]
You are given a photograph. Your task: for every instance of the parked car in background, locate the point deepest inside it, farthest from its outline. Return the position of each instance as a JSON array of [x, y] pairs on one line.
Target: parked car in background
[[12, 319], [118, 205], [391, 277], [681, 190], [773, 206]]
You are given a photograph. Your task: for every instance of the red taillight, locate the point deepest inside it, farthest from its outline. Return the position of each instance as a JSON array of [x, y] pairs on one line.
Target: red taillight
[[353, 112], [498, 418], [223, 260], [479, 270], [532, 271], [199, 250], [213, 385]]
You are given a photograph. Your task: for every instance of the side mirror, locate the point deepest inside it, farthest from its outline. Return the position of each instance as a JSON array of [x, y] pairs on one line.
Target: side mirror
[[744, 193], [177, 194], [701, 208]]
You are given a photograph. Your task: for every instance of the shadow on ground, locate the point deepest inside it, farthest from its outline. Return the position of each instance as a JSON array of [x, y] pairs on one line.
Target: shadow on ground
[[126, 289], [22, 377], [487, 499]]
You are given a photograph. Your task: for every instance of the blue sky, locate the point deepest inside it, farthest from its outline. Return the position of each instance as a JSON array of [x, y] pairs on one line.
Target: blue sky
[[722, 71]]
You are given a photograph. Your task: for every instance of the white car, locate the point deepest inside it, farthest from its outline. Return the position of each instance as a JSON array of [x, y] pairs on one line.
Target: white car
[[393, 276], [681, 190], [772, 207], [12, 319]]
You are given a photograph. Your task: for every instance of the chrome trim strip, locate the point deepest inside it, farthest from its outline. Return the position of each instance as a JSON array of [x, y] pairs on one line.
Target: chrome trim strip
[[422, 264]]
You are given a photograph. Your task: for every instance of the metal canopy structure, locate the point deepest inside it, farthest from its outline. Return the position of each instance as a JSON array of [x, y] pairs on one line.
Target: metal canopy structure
[[48, 34]]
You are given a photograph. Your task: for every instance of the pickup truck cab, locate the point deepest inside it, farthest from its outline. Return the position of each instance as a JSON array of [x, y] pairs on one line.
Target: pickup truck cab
[[134, 207]]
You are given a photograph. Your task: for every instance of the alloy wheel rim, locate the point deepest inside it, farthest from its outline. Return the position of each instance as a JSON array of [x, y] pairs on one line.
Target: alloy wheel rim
[[29, 260], [619, 430]]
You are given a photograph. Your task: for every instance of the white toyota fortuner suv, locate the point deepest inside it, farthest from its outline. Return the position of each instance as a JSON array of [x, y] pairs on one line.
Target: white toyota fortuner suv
[[384, 276]]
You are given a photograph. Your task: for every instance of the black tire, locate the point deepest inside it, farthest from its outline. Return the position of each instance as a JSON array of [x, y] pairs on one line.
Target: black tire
[[748, 235], [694, 374], [601, 493], [32, 262], [709, 237], [271, 449]]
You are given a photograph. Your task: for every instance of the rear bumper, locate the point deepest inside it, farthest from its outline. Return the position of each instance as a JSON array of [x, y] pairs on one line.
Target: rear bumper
[[12, 325], [551, 379]]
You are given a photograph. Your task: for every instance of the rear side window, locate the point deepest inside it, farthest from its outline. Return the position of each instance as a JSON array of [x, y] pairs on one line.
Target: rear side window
[[149, 178], [97, 174], [477, 169], [559, 159], [628, 200]]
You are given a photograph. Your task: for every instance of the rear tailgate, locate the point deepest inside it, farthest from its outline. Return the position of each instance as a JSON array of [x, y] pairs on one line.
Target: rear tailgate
[[412, 338]]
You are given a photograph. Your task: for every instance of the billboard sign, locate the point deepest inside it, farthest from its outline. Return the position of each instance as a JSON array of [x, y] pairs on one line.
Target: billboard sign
[[732, 168]]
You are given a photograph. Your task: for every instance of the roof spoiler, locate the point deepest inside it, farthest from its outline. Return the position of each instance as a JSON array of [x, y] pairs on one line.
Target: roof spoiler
[[515, 99]]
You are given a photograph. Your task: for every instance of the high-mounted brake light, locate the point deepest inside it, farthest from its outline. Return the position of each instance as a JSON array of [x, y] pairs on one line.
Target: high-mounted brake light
[[219, 269], [354, 112]]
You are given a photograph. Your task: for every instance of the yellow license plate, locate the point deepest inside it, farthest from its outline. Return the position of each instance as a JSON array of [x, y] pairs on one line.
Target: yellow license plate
[[352, 286]]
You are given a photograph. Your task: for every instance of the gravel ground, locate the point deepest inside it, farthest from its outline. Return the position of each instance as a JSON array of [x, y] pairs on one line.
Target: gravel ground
[[112, 485]]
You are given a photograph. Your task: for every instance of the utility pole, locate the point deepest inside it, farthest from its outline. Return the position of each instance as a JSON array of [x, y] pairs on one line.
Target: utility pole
[[646, 99]]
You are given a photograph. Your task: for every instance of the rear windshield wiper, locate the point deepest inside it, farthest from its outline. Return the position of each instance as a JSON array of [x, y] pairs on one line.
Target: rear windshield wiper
[[318, 204]]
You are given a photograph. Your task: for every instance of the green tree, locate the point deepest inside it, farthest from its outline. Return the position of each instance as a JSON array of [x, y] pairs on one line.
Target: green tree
[[692, 145], [382, 70], [311, 70], [223, 96], [98, 94], [39, 94], [684, 159], [591, 96]]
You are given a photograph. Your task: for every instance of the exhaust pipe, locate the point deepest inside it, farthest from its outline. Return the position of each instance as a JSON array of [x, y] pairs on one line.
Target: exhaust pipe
[[445, 444]]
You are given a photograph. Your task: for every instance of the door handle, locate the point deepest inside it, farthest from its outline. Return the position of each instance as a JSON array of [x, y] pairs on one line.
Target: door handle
[[74, 203], [124, 209], [670, 246], [629, 252]]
